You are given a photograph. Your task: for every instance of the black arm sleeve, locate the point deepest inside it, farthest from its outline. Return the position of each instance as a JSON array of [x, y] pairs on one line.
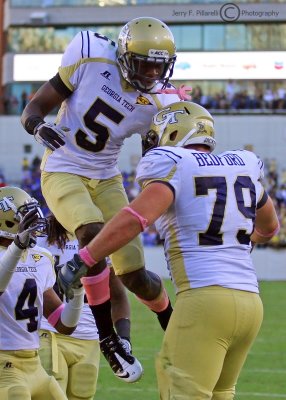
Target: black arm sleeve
[[164, 183], [59, 86], [262, 201]]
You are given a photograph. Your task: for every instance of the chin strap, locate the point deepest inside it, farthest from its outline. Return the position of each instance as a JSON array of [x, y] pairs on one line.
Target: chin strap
[[180, 91]]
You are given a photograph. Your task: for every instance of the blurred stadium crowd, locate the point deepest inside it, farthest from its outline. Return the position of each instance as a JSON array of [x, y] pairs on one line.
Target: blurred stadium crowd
[[233, 97], [236, 98], [274, 182]]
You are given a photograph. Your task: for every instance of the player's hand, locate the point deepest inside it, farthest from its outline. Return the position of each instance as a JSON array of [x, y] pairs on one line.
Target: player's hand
[[69, 276], [49, 135], [27, 226]]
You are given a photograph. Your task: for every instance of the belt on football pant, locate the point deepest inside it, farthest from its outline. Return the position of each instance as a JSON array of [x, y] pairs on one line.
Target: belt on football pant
[[55, 353], [22, 353]]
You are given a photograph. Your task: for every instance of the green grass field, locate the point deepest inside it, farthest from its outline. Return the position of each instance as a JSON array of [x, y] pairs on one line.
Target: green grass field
[[263, 376]]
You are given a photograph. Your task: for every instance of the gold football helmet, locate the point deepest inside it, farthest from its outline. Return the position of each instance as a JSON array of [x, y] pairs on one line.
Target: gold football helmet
[[14, 204], [181, 124], [146, 53]]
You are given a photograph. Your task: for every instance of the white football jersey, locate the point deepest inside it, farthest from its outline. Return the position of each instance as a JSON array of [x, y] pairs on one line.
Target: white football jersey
[[86, 328], [207, 229], [21, 305], [102, 111]]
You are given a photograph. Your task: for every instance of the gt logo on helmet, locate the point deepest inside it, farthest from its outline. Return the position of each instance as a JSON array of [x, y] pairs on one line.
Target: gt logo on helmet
[[4, 204], [167, 117]]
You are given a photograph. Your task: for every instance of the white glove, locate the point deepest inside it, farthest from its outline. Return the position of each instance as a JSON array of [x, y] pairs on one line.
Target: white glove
[[49, 135], [27, 225]]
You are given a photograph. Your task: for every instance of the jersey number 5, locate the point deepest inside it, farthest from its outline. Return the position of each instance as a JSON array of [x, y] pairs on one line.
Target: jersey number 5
[[28, 296], [101, 132]]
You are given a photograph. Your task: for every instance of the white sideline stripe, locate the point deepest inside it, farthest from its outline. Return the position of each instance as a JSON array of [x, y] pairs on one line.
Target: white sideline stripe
[[263, 353], [131, 389], [268, 395], [266, 370], [256, 394]]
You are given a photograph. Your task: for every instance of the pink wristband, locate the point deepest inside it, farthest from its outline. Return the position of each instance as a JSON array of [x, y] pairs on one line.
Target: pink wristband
[[181, 92], [143, 221], [55, 315], [86, 257], [267, 235]]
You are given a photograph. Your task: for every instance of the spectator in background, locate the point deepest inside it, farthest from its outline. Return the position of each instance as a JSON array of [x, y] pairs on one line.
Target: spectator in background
[[281, 196], [230, 89], [197, 94], [13, 105], [150, 236], [24, 100], [280, 98], [2, 179], [268, 98]]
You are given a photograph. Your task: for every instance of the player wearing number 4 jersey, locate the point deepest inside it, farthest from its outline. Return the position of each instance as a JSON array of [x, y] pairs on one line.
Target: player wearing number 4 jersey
[[107, 92], [74, 360], [208, 210], [26, 294]]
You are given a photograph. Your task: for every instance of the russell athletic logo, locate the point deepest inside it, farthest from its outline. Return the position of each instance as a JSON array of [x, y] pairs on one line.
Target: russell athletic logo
[[106, 75]]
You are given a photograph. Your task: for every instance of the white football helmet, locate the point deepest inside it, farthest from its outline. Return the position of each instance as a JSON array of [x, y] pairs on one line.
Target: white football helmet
[[14, 204], [181, 124], [146, 53]]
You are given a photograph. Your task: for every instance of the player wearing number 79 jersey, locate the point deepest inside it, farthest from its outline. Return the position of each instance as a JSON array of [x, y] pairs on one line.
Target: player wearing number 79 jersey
[[208, 209], [26, 294]]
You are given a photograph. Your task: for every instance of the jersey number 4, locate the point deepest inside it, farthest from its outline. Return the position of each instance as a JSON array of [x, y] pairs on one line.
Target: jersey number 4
[[27, 299], [213, 235]]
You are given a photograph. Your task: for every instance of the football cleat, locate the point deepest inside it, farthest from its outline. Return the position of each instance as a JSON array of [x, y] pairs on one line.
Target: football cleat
[[118, 354]]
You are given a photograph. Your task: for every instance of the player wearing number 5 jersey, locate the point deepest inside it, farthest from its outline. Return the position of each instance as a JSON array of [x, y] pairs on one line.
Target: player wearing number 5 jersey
[[26, 294], [107, 92], [208, 210]]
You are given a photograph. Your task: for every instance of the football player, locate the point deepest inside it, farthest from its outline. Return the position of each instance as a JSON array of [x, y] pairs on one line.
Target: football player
[[208, 209], [26, 294], [106, 93], [74, 359]]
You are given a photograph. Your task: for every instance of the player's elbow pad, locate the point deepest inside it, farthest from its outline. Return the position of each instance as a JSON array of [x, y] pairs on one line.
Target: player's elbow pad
[[73, 308]]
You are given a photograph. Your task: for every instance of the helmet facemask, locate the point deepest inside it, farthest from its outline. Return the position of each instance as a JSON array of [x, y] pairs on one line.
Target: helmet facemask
[[134, 68], [150, 141], [40, 227]]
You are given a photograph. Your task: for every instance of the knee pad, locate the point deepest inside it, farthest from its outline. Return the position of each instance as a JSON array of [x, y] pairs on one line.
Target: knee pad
[[82, 381]]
